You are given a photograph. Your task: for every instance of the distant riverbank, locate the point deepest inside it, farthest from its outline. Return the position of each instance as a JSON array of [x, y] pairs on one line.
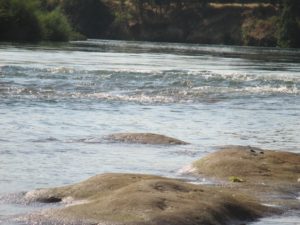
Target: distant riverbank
[[251, 24], [230, 24]]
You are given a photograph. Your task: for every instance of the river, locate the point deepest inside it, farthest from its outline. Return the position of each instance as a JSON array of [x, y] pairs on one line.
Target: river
[[57, 101]]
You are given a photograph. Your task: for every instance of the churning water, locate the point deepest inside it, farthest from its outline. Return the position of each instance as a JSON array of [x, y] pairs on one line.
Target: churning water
[[58, 101]]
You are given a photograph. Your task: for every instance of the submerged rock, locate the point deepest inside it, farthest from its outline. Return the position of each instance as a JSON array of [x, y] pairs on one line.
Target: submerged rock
[[145, 138], [134, 199]]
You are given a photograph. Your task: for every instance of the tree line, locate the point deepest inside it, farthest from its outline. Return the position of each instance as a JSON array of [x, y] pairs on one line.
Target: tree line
[[62, 20]]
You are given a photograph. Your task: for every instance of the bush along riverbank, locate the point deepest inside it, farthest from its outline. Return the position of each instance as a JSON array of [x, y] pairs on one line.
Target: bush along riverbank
[[27, 21], [47, 20], [249, 183], [255, 23]]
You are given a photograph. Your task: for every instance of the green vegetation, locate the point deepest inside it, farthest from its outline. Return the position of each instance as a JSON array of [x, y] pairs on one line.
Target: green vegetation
[[26, 21], [52, 20], [55, 26], [235, 179], [289, 26], [19, 20], [243, 22]]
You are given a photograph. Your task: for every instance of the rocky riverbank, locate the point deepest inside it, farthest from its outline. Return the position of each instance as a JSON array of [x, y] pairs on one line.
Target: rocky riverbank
[[252, 183]]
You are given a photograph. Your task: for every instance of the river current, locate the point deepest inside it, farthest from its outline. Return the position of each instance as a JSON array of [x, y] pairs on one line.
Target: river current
[[58, 101]]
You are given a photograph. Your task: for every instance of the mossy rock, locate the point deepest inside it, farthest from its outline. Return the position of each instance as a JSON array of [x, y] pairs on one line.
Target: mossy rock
[[134, 199], [144, 138], [265, 173], [252, 164], [235, 179]]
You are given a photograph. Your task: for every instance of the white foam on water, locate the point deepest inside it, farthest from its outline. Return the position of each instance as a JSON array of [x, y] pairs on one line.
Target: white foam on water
[[136, 98], [78, 95]]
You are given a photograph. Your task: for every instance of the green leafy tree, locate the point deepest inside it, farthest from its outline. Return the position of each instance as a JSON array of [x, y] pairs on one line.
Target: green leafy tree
[[19, 20], [55, 26], [31, 20]]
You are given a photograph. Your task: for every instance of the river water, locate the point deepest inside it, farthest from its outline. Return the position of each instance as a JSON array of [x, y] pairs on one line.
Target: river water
[[58, 101]]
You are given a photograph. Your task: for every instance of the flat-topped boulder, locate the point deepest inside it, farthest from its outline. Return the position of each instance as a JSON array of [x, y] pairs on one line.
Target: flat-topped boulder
[[144, 138], [252, 165], [135, 199], [265, 173]]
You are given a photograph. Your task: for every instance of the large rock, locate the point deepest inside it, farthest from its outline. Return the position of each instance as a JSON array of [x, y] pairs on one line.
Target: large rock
[[271, 175], [134, 199], [145, 138], [254, 165]]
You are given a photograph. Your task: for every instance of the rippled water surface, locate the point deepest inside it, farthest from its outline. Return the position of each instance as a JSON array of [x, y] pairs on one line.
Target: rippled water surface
[[58, 101]]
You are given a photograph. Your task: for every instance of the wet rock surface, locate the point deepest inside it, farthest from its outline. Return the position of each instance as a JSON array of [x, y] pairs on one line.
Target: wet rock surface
[[145, 199], [270, 175], [253, 164]]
